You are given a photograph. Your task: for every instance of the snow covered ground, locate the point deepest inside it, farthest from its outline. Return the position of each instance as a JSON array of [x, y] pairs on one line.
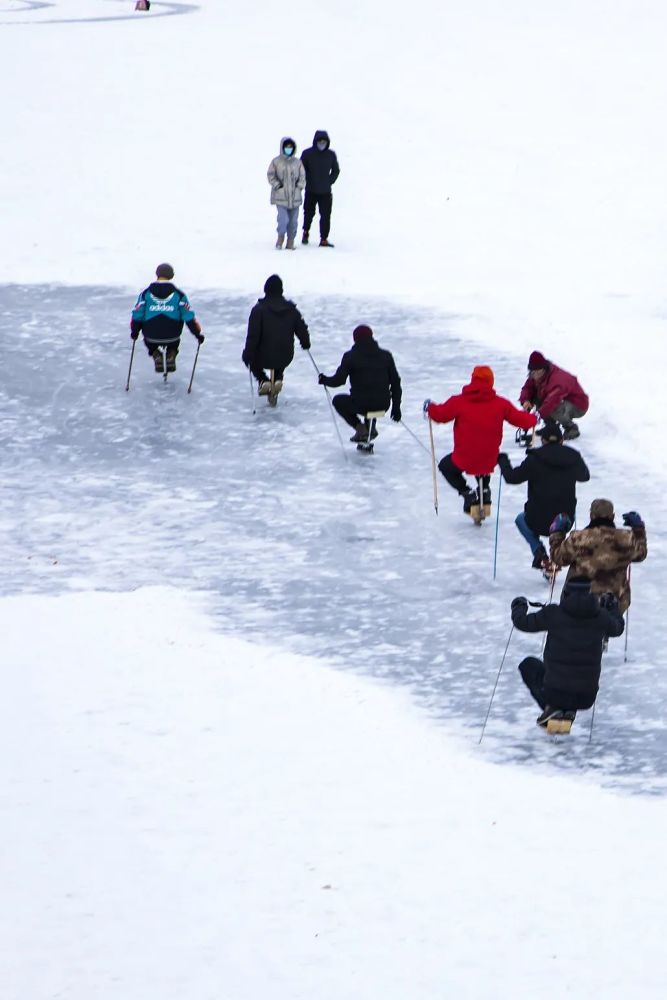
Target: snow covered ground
[[183, 772]]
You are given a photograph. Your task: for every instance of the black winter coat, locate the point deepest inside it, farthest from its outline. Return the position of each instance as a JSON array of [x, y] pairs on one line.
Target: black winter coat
[[321, 166], [273, 324], [374, 380], [575, 631], [552, 473]]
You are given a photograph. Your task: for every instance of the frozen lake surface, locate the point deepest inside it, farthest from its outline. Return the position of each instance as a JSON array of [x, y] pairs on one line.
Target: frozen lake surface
[[298, 545]]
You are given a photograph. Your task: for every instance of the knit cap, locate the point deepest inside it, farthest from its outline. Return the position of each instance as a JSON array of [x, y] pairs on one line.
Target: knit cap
[[273, 286], [361, 333], [602, 509], [536, 360], [484, 373]]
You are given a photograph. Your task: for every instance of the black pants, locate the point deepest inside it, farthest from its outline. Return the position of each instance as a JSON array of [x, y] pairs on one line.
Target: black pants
[[349, 409], [323, 202], [455, 477], [261, 375], [533, 672], [152, 345]]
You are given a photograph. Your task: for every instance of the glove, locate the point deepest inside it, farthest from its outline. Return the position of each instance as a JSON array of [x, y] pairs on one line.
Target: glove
[[633, 520], [134, 334], [561, 522], [201, 338], [425, 406], [396, 414], [609, 601], [527, 405], [519, 602], [321, 378], [306, 344], [503, 458]]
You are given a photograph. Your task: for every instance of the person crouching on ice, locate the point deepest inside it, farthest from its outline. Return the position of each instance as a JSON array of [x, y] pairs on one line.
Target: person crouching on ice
[[478, 414], [161, 311], [374, 383], [600, 551], [568, 678], [555, 393]]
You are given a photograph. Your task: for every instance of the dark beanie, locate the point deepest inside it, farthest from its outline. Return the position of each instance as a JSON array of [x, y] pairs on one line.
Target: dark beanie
[[361, 333], [550, 431], [164, 271], [576, 585], [273, 286], [602, 509], [537, 360]]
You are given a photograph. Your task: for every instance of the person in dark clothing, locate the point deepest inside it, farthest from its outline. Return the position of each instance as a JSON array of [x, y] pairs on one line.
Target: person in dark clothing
[[273, 324], [161, 311], [374, 384], [552, 473], [568, 678], [322, 170]]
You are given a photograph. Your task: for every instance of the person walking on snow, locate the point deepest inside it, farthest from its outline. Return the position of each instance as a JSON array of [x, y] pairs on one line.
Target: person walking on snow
[[160, 312], [322, 170], [273, 324], [577, 628], [554, 393], [552, 473], [601, 551], [287, 178], [374, 383], [478, 415]]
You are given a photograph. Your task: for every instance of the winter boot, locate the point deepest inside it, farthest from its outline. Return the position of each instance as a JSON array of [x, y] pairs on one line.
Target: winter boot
[[279, 242], [264, 388], [486, 500], [470, 500], [571, 432], [548, 713], [360, 434], [561, 723], [158, 360], [305, 237], [290, 244], [171, 359], [324, 242]]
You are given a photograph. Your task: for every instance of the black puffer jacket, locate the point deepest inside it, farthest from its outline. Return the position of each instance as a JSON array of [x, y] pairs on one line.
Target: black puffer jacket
[[321, 166], [273, 324], [552, 473], [374, 380], [573, 653]]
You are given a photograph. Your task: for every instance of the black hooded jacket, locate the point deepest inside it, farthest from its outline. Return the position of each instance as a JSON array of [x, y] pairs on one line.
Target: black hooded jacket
[[374, 380], [321, 166], [552, 473], [575, 631], [273, 324]]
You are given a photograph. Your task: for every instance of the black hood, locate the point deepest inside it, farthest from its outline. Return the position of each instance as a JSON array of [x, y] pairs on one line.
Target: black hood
[[366, 346], [321, 134], [275, 303], [557, 456], [579, 603], [162, 289]]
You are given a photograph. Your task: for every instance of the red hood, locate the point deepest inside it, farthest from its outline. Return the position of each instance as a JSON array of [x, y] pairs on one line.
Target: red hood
[[478, 391]]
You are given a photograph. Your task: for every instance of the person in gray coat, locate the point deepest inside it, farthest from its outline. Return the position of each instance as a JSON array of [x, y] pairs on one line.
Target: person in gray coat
[[287, 178]]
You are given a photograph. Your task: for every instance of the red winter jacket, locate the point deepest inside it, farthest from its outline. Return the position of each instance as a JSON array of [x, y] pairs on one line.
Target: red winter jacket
[[556, 385], [478, 415]]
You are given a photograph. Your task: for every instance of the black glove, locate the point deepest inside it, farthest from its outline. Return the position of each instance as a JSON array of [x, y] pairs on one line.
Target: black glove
[[519, 602], [134, 334], [609, 601], [503, 459], [396, 414], [245, 358], [633, 520], [201, 338], [321, 378], [306, 344]]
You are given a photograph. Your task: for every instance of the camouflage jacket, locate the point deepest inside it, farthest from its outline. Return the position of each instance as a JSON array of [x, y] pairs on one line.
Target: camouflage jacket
[[602, 553]]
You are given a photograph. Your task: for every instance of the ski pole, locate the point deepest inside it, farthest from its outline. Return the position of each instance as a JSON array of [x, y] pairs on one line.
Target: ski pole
[[194, 366], [627, 622], [412, 434], [590, 735], [493, 693], [331, 409], [129, 371], [252, 394], [495, 547], [435, 481]]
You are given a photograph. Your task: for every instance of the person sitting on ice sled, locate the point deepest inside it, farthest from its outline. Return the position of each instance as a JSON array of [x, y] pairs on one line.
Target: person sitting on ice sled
[[374, 384], [554, 393], [568, 677], [600, 551], [552, 473], [160, 312], [478, 415], [273, 324]]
